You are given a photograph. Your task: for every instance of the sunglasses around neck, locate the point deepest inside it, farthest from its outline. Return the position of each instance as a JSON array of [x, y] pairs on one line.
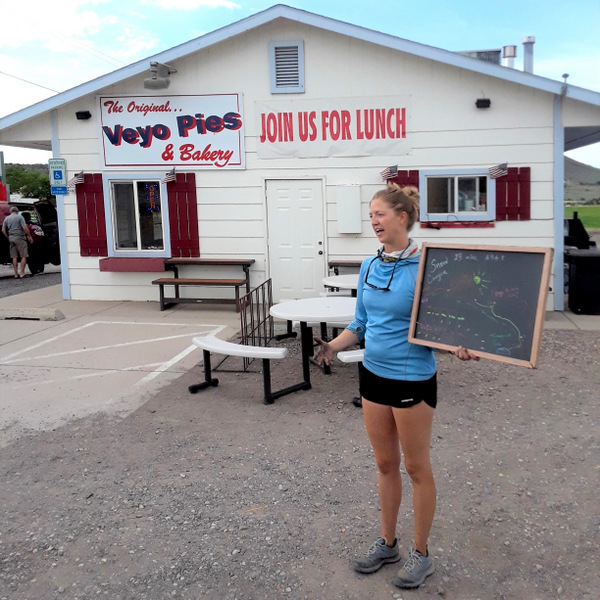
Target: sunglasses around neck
[[375, 287]]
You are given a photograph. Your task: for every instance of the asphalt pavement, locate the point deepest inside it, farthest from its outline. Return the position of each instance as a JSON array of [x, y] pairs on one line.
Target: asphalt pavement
[[9, 286], [62, 359]]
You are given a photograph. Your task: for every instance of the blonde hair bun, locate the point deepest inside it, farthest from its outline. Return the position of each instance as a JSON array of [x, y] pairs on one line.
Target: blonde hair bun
[[402, 199]]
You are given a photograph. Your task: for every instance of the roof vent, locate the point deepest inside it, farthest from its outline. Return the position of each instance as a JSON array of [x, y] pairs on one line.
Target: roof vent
[[528, 42], [492, 56], [509, 53], [287, 67]]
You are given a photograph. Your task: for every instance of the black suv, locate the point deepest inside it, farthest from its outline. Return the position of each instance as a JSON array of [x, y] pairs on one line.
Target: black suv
[[42, 213]]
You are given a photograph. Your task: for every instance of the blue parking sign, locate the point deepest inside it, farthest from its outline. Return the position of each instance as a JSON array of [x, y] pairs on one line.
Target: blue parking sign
[[57, 170]]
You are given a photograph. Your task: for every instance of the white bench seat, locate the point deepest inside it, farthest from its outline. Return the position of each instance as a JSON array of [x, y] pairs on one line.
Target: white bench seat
[[219, 346], [350, 356], [211, 343]]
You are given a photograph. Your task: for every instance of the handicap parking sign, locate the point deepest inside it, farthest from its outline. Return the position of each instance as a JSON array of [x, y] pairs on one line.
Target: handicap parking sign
[[57, 168]]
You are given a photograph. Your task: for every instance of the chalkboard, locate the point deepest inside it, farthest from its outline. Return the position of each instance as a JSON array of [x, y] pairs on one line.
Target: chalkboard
[[489, 299]]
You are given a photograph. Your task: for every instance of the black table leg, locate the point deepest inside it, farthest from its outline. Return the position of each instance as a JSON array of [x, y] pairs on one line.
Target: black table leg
[[306, 337], [288, 334], [325, 338]]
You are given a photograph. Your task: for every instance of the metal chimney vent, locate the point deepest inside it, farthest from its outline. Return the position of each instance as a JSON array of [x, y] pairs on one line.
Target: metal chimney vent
[[509, 53], [528, 42]]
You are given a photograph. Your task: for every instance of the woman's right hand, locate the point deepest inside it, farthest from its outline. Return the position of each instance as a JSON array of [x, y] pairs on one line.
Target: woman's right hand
[[324, 355]]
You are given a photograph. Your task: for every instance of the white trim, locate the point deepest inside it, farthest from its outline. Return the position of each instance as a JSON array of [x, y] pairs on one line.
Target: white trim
[[107, 178], [273, 68], [60, 211], [488, 215], [300, 16], [559, 206]]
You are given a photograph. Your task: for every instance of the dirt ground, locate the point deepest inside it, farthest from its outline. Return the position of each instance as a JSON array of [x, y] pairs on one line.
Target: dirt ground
[[218, 496]]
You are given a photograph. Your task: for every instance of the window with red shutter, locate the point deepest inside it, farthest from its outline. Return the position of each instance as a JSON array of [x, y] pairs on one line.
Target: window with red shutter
[[90, 215], [137, 234], [513, 195], [404, 178], [183, 216], [471, 198]]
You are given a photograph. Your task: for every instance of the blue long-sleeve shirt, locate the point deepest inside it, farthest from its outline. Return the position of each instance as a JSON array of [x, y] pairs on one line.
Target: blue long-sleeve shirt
[[382, 319]]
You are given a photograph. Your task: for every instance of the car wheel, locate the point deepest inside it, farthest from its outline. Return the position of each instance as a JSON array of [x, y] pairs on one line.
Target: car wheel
[[36, 266]]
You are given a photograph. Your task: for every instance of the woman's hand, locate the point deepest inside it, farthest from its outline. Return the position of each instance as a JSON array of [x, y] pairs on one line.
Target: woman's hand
[[324, 355], [464, 354]]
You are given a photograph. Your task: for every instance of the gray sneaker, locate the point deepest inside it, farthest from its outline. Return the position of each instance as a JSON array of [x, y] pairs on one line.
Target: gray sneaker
[[414, 571], [376, 556]]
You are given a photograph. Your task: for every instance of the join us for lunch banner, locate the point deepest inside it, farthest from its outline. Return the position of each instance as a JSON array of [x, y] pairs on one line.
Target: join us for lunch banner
[[199, 131], [333, 127]]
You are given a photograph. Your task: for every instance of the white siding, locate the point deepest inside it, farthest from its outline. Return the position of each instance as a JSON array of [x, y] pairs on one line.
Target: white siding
[[444, 126]]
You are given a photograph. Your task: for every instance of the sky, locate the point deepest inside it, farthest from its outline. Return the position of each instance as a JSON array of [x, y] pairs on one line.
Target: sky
[[49, 47]]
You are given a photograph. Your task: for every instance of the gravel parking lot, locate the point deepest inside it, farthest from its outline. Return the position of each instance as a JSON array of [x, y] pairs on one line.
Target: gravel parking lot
[[217, 496]]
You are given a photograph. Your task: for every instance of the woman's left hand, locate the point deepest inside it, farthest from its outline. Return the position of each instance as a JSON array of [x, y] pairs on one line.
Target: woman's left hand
[[464, 354]]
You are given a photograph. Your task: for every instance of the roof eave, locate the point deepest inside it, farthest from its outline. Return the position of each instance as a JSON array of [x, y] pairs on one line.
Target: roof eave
[[307, 18]]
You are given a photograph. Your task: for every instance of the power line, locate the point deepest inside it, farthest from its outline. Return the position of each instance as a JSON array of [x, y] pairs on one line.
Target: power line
[[92, 51], [30, 82]]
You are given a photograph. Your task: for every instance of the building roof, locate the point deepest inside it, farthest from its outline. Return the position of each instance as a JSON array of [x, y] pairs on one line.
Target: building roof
[[281, 11]]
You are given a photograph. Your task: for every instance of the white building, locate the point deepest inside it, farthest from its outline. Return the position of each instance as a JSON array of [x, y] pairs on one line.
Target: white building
[[277, 128]]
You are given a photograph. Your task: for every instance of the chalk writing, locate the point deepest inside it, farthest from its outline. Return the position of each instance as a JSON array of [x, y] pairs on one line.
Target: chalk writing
[[482, 299]]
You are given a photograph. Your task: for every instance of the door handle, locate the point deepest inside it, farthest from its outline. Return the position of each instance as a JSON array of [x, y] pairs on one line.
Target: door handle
[[320, 252]]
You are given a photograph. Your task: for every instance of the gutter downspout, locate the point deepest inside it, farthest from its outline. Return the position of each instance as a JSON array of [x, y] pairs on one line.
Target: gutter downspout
[[60, 209], [559, 204]]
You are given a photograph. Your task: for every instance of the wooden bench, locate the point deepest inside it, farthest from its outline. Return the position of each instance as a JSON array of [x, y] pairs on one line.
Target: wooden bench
[[174, 264], [177, 282], [211, 343]]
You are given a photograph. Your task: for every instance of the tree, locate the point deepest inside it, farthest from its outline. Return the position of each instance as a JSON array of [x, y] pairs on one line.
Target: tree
[[29, 183]]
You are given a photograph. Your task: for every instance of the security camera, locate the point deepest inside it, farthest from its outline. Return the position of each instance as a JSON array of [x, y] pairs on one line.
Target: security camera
[[159, 79]]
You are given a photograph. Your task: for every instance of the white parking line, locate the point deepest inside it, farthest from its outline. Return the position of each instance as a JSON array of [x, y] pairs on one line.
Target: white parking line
[[11, 357]]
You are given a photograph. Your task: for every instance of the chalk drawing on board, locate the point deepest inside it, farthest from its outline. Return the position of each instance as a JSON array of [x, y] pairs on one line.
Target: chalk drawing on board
[[485, 298]]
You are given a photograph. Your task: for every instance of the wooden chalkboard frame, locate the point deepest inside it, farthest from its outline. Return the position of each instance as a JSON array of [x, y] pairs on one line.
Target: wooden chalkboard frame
[[540, 281]]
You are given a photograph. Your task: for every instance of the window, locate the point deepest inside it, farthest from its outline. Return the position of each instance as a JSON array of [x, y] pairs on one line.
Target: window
[[459, 195], [136, 215], [287, 67], [179, 223]]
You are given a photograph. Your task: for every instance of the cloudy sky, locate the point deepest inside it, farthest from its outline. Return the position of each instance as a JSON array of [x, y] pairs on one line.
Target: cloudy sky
[[49, 47]]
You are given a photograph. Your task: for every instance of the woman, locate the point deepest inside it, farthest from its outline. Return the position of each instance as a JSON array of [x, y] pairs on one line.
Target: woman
[[397, 384]]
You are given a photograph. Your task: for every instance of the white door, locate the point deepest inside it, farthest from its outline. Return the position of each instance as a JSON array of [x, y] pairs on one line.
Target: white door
[[296, 238]]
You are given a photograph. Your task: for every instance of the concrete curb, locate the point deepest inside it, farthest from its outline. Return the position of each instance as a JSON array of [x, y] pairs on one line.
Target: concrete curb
[[32, 314]]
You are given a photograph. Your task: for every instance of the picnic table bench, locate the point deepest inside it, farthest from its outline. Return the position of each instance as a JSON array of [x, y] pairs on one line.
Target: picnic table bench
[[173, 264], [347, 264]]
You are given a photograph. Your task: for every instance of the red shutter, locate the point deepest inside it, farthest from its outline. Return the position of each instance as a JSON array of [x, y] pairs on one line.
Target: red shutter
[[406, 178], [513, 195], [90, 214], [183, 216]]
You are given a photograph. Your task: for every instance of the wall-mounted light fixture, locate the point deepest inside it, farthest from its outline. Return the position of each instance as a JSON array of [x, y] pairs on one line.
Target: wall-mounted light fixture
[[83, 115], [483, 102], [159, 76]]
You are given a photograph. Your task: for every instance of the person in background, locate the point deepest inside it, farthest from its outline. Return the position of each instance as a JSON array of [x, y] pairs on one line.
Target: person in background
[[397, 384], [36, 262], [17, 232]]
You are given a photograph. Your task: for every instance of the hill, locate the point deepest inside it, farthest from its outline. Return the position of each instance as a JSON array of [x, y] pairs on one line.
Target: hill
[[582, 183], [577, 173]]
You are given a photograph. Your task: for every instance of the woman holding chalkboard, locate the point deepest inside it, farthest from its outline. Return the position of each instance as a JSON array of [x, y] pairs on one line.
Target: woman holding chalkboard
[[397, 384]]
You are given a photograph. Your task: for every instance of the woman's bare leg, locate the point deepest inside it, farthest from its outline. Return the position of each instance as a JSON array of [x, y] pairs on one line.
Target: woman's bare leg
[[414, 426], [383, 434]]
